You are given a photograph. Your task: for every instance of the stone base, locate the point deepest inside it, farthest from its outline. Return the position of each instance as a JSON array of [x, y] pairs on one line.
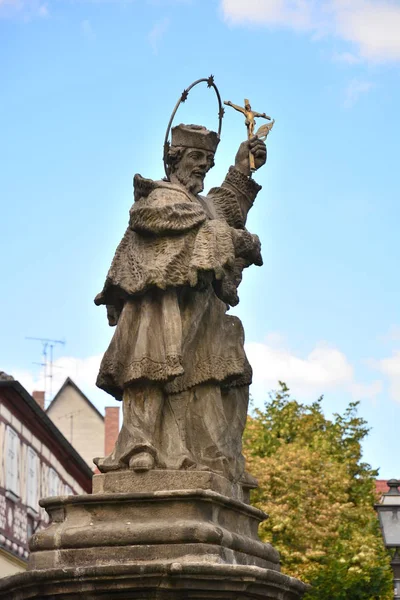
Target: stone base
[[153, 535], [161, 479], [158, 581], [179, 525]]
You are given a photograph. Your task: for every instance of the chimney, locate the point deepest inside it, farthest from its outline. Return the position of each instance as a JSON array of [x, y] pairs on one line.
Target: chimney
[[39, 397], [111, 428]]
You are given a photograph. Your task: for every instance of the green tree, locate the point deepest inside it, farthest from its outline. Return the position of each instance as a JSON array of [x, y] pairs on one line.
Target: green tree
[[319, 496]]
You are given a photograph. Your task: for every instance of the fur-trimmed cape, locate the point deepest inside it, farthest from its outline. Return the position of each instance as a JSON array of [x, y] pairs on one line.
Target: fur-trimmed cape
[[172, 242]]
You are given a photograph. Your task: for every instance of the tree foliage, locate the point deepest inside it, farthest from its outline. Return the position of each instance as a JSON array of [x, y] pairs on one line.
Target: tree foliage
[[319, 496]]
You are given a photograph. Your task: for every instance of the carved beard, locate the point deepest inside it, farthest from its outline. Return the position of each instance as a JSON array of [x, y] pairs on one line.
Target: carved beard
[[193, 183]]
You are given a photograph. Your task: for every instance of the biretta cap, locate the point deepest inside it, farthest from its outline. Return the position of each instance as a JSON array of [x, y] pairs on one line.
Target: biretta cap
[[194, 136]]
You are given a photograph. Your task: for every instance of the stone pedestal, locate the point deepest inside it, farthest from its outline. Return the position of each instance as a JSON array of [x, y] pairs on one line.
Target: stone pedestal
[[156, 535]]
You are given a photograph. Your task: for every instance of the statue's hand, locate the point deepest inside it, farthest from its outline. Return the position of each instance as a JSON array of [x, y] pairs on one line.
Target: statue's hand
[[248, 246], [257, 148], [256, 255]]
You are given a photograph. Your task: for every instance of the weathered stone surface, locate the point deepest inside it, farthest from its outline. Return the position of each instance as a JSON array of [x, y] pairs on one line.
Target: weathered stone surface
[[183, 525], [158, 581], [5, 377], [129, 481], [177, 358]]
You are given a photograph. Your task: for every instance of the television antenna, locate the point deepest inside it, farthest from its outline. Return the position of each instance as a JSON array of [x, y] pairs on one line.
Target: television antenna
[[47, 361]]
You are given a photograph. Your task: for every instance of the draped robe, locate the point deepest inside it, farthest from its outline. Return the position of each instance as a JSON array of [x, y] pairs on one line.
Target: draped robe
[[176, 358]]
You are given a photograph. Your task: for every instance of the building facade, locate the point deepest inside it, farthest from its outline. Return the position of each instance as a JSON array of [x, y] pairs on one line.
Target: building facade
[[36, 461], [86, 429], [79, 421]]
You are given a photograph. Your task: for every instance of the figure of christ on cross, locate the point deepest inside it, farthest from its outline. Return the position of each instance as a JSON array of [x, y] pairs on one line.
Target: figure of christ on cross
[[250, 116]]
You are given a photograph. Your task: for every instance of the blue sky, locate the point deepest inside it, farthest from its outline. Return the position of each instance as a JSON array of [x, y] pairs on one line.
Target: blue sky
[[87, 88]]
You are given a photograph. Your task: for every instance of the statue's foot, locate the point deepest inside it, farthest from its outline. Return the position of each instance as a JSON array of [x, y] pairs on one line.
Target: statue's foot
[[142, 461], [107, 464]]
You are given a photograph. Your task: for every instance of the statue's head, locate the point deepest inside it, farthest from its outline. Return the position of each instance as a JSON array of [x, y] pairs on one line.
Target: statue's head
[[247, 104], [191, 155]]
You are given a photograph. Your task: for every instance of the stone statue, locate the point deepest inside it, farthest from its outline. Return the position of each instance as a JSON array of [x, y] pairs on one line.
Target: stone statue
[[176, 359], [169, 515], [5, 377]]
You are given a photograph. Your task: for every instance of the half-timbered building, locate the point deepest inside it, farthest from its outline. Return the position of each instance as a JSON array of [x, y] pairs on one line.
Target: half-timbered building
[[36, 461]]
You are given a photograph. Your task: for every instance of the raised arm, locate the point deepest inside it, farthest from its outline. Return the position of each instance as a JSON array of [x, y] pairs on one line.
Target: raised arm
[[236, 107], [234, 198], [261, 115]]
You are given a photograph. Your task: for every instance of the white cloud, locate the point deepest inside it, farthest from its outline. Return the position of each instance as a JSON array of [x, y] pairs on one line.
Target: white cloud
[[157, 33], [324, 369], [393, 334], [372, 26], [25, 9], [346, 57], [366, 391], [355, 89], [276, 339], [298, 14], [10, 7], [390, 367]]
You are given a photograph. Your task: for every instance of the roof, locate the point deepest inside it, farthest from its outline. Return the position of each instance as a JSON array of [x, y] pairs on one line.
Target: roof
[[66, 449], [69, 382], [381, 487]]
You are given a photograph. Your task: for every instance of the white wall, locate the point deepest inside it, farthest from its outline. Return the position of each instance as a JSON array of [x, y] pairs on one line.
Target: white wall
[[35, 473], [79, 423], [9, 565]]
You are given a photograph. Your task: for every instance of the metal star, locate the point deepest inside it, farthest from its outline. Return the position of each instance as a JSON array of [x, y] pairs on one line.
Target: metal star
[[184, 96], [221, 113], [210, 81]]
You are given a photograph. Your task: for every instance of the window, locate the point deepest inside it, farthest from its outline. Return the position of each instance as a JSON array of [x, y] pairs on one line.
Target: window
[[30, 527], [12, 461], [68, 491], [32, 478], [53, 482]]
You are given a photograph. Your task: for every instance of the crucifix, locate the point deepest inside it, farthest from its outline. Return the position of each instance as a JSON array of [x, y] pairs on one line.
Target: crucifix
[[250, 123]]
